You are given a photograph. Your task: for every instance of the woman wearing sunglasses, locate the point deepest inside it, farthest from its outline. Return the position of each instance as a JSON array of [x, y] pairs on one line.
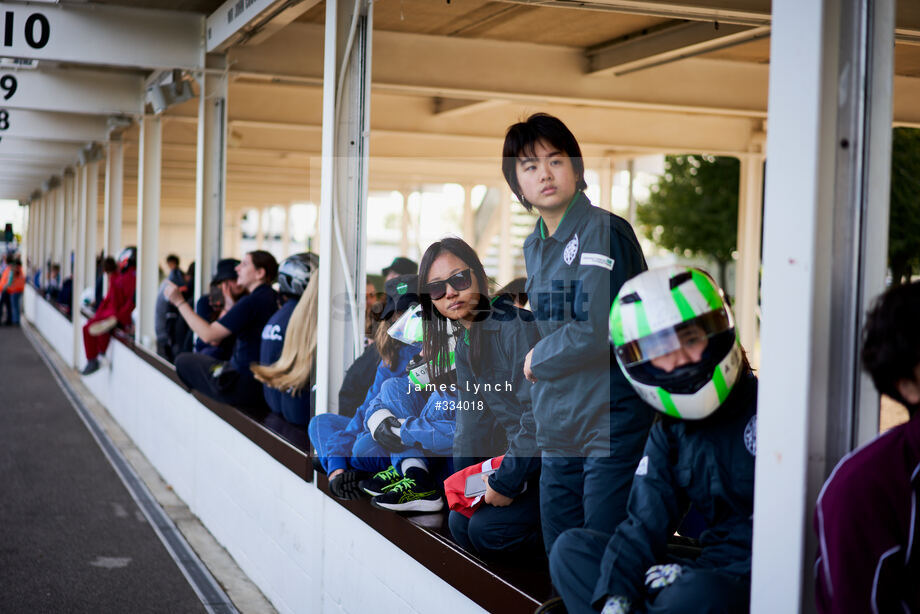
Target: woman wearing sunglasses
[[493, 416]]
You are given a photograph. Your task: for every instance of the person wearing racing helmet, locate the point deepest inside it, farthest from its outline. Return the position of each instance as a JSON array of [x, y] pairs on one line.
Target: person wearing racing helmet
[[114, 310], [494, 418], [333, 435], [674, 338], [292, 402]]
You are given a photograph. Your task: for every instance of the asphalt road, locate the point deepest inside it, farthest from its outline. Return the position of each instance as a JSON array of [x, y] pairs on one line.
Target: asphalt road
[[71, 537]]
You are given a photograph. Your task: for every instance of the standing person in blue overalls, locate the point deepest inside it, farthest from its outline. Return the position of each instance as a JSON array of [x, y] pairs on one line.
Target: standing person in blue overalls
[[675, 340], [590, 425], [292, 398]]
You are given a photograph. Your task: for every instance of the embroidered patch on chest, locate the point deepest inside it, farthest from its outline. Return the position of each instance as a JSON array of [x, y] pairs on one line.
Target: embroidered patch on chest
[[571, 248], [600, 260], [750, 435]]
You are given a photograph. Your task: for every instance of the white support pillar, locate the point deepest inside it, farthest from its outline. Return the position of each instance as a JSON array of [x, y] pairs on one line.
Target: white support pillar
[[404, 223], [505, 255], [78, 230], [114, 195], [747, 276], [68, 264], [630, 192], [90, 193], [825, 229], [60, 217], [148, 227], [606, 180], [469, 216], [211, 175], [287, 247], [343, 217]]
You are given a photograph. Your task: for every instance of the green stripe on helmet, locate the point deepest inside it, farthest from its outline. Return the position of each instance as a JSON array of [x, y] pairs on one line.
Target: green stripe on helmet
[[721, 387], [616, 324], [683, 305], [707, 289], [669, 407], [642, 320]]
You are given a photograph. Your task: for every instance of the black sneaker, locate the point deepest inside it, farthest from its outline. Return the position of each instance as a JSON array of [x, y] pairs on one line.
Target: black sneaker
[[345, 485], [91, 367], [414, 493], [380, 482]]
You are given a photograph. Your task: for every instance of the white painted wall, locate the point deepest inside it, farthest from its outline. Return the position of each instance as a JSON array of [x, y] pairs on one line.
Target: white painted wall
[[303, 550]]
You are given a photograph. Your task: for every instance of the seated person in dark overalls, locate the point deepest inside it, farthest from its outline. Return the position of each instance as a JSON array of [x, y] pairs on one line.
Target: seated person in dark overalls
[[675, 340], [231, 382], [289, 341]]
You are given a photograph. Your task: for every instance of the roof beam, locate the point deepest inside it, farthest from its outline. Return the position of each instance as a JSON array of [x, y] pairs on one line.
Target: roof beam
[[744, 12], [103, 35], [250, 21], [26, 149], [44, 125], [73, 91], [672, 42]]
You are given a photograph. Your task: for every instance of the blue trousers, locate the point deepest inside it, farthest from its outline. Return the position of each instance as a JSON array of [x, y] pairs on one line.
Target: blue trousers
[[15, 304], [366, 454], [510, 533], [575, 567], [589, 493]]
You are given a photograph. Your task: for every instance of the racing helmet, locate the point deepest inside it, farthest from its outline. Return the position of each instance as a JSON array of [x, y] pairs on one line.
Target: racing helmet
[[409, 329], [295, 271], [127, 258], [663, 310]]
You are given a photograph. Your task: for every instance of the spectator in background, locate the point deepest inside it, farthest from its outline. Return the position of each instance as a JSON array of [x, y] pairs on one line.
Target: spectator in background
[[173, 272], [222, 294], [109, 266], [289, 341], [114, 309], [515, 291], [232, 381], [399, 266], [165, 314], [53, 284], [183, 339], [866, 516], [5, 307], [13, 282]]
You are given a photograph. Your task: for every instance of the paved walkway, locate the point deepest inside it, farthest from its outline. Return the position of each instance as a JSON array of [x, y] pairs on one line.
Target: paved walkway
[[72, 539]]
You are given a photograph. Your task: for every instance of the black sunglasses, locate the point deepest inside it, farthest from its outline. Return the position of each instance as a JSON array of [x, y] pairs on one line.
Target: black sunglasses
[[458, 281]]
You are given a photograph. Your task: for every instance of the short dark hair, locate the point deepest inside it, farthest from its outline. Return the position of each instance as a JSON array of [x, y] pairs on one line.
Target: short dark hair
[[261, 259], [172, 259], [891, 339], [109, 265], [522, 137]]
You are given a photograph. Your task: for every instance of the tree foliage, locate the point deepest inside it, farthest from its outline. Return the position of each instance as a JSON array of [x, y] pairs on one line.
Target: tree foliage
[[904, 221], [693, 209]]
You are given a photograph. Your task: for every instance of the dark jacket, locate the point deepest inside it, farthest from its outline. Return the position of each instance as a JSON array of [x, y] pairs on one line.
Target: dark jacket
[[504, 422], [294, 408], [358, 379], [582, 403], [707, 463]]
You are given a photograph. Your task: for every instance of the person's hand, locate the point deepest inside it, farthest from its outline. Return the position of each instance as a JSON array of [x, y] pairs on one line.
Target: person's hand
[[387, 435], [528, 374], [659, 576], [493, 497], [228, 296], [616, 605], [172, 293]]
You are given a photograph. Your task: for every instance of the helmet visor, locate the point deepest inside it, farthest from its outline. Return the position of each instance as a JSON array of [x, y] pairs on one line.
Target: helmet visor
[[671, 339]]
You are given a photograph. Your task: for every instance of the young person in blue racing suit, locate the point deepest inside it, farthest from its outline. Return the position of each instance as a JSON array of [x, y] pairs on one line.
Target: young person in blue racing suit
[[590, 425], [333, 436], [675, 340], [494, 416]]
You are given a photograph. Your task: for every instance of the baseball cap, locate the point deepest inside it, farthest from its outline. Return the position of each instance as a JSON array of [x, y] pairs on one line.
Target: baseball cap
[[402, 266]]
